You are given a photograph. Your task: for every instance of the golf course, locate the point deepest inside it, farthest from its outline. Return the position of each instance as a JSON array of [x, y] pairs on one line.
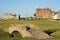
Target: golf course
[[44, 25]]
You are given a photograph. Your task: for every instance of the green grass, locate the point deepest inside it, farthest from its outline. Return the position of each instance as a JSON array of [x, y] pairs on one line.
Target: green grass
[[42, 24], [2, 32], [56, 35], [17, 39]]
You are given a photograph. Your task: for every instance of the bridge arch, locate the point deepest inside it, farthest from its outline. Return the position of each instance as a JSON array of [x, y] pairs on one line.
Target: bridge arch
[[15, 34]]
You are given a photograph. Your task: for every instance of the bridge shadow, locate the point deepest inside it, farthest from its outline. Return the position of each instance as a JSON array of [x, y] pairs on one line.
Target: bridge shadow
[[15, 34], [49, 32]]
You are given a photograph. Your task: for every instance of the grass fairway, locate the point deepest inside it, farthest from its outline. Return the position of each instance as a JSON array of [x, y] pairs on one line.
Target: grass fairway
[[17, 39], [42, 24]]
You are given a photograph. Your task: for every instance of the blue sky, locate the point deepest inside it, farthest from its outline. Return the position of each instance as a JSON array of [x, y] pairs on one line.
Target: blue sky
[[27, 7]]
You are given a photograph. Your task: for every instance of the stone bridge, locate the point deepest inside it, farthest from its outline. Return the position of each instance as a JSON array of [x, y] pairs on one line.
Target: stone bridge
[[26, 30], [21, 29]]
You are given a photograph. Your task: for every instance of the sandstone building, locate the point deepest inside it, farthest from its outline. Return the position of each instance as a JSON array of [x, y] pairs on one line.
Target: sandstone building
[[56, 15], [10, 16], [43, 13]]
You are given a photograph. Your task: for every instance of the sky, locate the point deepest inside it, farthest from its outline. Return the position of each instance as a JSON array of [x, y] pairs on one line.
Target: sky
[[27, 7]]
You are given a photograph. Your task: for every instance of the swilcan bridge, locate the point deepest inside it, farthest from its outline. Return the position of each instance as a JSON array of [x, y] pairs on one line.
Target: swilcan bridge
[[26, 30]]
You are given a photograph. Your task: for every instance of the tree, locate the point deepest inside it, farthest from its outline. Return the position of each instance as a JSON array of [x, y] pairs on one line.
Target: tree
[[35, 14]]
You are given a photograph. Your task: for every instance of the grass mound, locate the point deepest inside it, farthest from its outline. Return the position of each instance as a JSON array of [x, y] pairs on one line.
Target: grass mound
[[51, 31], [56, 35]]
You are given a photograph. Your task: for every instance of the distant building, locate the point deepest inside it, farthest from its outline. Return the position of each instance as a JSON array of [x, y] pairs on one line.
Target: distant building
[[10, 16], [53, 14], [57, 15], [43, 13]]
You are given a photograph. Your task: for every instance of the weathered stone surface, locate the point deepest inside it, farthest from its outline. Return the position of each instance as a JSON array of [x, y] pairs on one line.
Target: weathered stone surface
[[21, 28], [28, 30], [38, 34]]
